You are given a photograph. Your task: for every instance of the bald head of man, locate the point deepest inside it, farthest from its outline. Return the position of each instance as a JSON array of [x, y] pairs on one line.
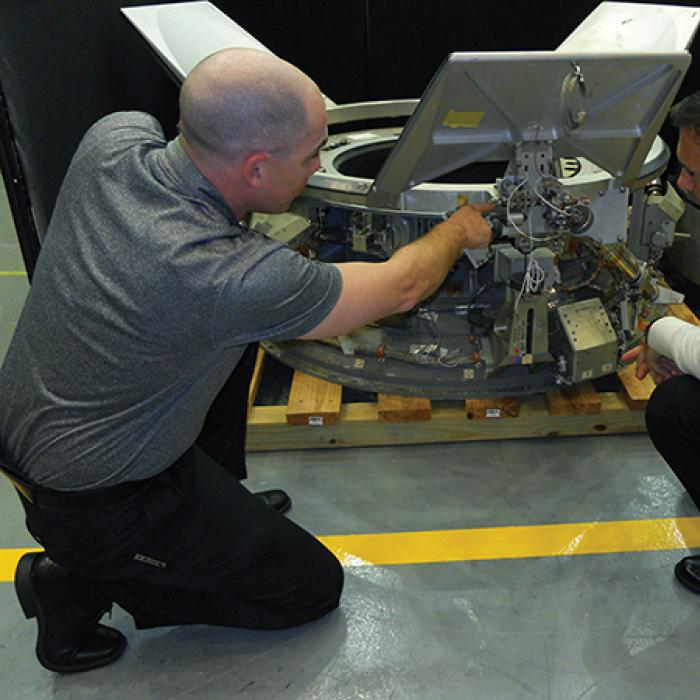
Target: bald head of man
[[253, 124]]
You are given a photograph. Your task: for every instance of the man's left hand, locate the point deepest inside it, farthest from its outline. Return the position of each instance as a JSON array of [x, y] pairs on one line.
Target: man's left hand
[[651, 362]]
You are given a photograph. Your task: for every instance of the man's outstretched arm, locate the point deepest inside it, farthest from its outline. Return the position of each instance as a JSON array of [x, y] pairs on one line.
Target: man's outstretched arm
[[374, 290]]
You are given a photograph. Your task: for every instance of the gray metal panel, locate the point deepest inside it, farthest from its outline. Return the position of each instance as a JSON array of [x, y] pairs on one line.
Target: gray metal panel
[[479, 106], [631, 26], [182, 34], [592, 343]]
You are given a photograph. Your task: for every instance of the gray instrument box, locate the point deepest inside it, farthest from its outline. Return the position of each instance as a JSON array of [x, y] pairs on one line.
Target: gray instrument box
[[591, 343]]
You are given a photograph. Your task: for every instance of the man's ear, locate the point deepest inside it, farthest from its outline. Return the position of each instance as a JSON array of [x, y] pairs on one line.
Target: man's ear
[[254, 169]]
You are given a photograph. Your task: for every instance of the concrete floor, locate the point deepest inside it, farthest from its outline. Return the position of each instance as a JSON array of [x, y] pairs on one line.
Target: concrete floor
[[603, 627]]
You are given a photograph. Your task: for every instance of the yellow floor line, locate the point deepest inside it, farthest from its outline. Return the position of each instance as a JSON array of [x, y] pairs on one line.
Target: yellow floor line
[[13, 273], [515, 542], [8, 562], [434, 546]]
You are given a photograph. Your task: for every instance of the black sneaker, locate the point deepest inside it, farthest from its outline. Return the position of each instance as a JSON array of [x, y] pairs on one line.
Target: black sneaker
[[70, 638]]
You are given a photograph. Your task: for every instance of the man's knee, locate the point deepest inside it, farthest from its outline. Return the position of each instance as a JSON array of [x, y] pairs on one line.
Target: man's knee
[[329, 587], [304, 578]]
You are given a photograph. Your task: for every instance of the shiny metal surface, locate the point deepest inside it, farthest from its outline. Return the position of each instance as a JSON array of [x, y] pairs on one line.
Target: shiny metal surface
[[379, 109], [330, 183], [615, 126], [185, 33], [633, 26]]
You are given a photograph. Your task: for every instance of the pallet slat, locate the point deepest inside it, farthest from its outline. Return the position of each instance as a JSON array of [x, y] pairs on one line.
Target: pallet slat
[[313, 401], [397, 409], [359, 426]]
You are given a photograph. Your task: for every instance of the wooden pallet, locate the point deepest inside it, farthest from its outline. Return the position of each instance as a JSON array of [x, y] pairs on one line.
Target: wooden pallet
[[315, 415]]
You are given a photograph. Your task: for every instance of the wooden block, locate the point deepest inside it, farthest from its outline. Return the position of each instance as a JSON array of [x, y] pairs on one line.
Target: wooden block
[[576, 400], [496, 407], [636, 392], [256, 378], [313, 401], [396, 409], [558, 404], [684, 313]]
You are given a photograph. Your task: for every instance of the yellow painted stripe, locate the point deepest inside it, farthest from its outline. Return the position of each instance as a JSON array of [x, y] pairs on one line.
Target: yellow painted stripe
[[515, 542], [13, 273], [434, 546], [8, 562]]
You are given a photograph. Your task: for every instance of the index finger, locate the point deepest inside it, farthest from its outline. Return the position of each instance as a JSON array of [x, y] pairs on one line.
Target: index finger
[[631, 354], [483, 207]]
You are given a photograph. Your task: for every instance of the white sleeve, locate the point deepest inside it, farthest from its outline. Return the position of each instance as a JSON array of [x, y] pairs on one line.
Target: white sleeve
[[679, 341]]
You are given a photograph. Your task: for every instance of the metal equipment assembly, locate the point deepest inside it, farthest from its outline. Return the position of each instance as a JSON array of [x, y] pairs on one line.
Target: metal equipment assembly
[[564, 143]]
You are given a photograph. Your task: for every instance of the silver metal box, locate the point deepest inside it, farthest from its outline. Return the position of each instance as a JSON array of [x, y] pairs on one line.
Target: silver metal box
[[591, 342]]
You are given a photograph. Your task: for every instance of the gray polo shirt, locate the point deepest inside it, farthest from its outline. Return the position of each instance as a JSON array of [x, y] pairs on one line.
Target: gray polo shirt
[[145, 294]]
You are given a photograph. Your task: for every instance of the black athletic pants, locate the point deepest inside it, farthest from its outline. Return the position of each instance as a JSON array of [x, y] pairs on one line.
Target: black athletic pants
[[673, 422], [192, 545]]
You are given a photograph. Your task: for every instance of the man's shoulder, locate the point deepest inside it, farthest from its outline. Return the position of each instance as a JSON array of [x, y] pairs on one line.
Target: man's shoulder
[[124, 125]]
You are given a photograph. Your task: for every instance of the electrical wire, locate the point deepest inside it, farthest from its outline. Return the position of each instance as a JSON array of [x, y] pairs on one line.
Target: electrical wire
[[512, 223], [532, 280]]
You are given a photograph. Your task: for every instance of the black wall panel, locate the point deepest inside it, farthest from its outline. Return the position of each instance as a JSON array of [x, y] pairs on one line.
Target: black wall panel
[[63, 65], [407, 46], [327, 39], [408, 40]]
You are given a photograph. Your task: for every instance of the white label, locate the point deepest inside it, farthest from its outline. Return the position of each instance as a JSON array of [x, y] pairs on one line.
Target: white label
[[315, 420], [469, 374], [587, 374], [359, 364], [493, 412]]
